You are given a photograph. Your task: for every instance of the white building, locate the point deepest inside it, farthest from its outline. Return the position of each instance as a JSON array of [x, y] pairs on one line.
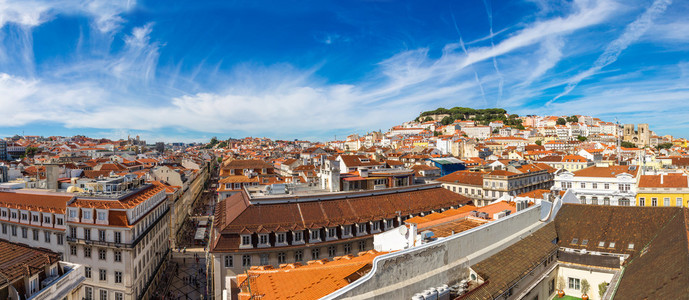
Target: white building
[[614, 185]]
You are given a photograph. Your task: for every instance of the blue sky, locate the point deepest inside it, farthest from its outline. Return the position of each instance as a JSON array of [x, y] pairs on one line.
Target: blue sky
[[190, 70]]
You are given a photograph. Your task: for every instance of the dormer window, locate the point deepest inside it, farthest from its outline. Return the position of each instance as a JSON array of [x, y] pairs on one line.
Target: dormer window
[[34, 218], [375, 225], [263, 240], [86, 214], [298, 237], [332, 233], [601, 244], [46, 219], [347, 230], [246, 240], [25, 217], [281, 238], [102, 216], [362, 228], [389, 223], [59, 221], [315, 235]]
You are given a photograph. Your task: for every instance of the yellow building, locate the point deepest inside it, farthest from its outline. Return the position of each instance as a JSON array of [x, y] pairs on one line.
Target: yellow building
[[663, 190]]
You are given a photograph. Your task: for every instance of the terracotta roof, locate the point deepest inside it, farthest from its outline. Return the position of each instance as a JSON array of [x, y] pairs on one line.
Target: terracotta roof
[[672, 180], [610, 171], [17, 260], [502, 270], [34, 202], [312, 281], [464, 177], [247, 164]]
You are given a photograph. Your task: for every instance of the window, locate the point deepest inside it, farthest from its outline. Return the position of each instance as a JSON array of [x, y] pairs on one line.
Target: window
[[331, 251], [375, 225], [630, 246], [574, 283], [118, 277], [347, 230], [607, 186], [46, 219], [583, 199], [666, 202], [60, 238], [281, 238], [87, 234], [118, 237], [624, 202], [4, 228], [88, 293], [87, 251], [86, 214], [246, 260], [298, 255], [584, 242], [103, 295], [72, 250], [281, 257], [654, 201], [265, 259], [25, 217], [14, 230], [101, 216], [118, 255], [362, 228], [594, 185], [594, 200], [46, 236], [228, 261], [611, 245], [332, 232], [101, 235], [246, 240], [263, 238], [642, 201], [118, 296], [388, 224], [314, 234], [102, 275], [25, 232], [34, 218], [601, 244], [583, 185], [73, 232], [347, 248], [551, 286], [575, 241], [87, 272], [362, 245], [72, 213], [35, 234], [298, 236], [606, 201], [315, 253], [679, 202]]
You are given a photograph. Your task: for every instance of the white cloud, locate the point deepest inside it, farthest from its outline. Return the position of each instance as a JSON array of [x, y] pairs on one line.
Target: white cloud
[[631, 33]]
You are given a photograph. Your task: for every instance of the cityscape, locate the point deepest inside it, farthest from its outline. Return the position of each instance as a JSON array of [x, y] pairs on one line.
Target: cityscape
[[359, 150]]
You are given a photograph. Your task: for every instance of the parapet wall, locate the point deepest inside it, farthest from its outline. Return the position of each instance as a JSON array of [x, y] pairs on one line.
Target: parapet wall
[[402, 274]]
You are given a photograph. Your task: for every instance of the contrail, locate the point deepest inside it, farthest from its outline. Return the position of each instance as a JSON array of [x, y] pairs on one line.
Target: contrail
[[461, 43], [631, 33], [489, 12]]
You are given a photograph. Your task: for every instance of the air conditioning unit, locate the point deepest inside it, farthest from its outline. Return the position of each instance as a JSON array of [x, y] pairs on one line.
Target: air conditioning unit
[[499, 215]]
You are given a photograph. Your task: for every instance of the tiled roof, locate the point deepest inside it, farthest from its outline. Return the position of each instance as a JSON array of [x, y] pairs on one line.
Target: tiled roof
[[610, 171], [672, 180], [34, 202], [126, 203], [502, 270], [312, 281], [17, 261], [463, 177], [247, 164]]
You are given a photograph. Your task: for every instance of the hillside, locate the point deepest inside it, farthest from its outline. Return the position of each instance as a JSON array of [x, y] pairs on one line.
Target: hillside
[[481, 116]]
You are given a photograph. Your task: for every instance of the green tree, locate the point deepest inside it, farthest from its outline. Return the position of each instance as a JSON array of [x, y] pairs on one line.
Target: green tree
[[428, 119], [447, 121], [561, 121], [628, 145], [581, 138], [573, 119], [664, 146], [30, 151], [222, 144], [602, 287], [585, 286], [496, 130], [539, 142]]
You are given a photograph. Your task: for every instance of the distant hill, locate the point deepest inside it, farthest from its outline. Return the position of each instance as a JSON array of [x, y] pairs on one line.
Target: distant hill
[[481, 116]]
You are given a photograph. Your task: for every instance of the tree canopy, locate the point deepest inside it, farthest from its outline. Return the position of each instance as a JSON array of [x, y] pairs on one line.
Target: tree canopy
[[561, 121]]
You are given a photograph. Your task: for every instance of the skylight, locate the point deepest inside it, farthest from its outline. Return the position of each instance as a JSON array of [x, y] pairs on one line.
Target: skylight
[[601, 244]]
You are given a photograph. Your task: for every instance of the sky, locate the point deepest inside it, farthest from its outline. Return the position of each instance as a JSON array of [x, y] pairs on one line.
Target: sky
[[320, 70]]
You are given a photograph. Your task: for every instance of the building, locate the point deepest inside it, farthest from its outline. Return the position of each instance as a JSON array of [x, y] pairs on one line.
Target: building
[[236, 174], [35, 273], [3, 150], [613, 185], [671, 189], [567, 162], [640, 137], [257, 232], [122, 241]]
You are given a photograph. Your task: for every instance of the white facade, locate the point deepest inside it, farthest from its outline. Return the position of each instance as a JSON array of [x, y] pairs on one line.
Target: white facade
[[615, 190]]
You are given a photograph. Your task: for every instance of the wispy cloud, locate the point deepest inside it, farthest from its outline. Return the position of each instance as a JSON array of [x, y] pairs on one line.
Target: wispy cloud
[[631, 33]]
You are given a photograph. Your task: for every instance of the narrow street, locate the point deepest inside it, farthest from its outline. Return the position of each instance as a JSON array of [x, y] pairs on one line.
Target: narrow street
[[186, 273]]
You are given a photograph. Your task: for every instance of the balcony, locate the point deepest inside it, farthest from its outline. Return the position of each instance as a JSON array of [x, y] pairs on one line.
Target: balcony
[[61, 287]]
